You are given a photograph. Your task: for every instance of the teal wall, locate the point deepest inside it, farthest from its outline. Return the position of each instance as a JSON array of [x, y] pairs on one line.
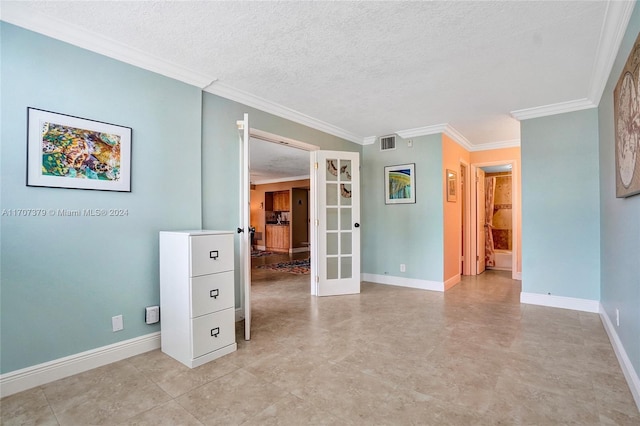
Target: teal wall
[[560, 205], [63, 278], [220, 158], [620, 221], [404, 233]]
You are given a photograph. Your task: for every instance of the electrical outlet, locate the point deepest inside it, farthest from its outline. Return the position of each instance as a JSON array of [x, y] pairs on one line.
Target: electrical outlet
[[403, 267], [117, 323], [617, 317]]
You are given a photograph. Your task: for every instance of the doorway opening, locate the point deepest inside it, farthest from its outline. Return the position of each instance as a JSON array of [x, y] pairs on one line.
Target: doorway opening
[[499, 218], [494, 213], [280, 172]]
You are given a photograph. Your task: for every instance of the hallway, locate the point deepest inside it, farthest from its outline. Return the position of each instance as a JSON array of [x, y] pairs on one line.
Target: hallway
[[390, 355]]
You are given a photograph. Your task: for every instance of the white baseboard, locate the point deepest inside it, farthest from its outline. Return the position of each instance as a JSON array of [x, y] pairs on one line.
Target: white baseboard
[[30, 377], [403, 282], [451, 282], [625, 363], [517, 276], [584, 305], [239, 314]]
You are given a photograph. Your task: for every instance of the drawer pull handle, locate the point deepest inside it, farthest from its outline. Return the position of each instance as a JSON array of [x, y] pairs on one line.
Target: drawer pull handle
[[214, 293], [215, 332], [213, 254]]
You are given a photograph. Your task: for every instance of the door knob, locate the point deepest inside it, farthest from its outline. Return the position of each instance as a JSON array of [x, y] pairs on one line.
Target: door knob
[[357, 225], [240, 230]]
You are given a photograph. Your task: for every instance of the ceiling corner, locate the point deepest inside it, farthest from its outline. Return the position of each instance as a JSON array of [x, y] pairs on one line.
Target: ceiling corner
[[369, 140], [458, 138], [422, 131]]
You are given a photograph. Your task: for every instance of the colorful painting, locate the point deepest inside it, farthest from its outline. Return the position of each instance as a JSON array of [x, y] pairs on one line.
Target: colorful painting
[[400, 184], [72, 152]]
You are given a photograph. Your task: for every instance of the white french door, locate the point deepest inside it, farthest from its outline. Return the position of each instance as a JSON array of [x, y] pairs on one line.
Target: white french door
[[336, 234], [245, 224]]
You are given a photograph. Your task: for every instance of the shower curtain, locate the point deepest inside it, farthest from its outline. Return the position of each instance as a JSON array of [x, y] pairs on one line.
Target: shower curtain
[[490, 191]]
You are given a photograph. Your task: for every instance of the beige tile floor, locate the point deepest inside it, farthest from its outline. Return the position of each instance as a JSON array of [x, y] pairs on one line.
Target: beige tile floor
[[389, 356]]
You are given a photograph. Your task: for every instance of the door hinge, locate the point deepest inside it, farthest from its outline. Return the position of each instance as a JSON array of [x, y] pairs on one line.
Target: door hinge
[[317, 279], [315, 165], [477, 258], [317, 222]]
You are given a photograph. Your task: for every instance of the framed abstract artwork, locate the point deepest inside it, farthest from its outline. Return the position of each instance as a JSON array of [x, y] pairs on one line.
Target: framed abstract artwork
[[64, 151], [626, 112], [400, 184]]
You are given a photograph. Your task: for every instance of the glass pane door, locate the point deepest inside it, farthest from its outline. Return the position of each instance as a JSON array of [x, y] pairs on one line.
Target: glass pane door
[[338, 223]]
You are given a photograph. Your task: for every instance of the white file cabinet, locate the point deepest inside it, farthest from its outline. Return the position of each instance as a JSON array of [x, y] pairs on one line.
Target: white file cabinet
[[197, 295]]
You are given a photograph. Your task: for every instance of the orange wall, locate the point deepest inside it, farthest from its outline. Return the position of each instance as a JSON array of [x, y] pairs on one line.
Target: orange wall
[[507, 154], [257, 200], [452, 154]]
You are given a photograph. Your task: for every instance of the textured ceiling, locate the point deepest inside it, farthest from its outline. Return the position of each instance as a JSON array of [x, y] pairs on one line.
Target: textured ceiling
[[362, 68]]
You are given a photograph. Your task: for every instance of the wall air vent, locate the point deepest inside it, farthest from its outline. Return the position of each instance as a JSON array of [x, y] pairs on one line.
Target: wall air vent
[[387, 143]]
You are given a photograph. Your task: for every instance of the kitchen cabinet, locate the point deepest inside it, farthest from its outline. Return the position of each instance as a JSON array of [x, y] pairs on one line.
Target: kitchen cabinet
[[281, 201], [278, 238]]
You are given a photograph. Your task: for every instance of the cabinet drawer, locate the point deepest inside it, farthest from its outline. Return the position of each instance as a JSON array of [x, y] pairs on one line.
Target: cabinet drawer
[[211, 293], [211, 254], [213, 331]]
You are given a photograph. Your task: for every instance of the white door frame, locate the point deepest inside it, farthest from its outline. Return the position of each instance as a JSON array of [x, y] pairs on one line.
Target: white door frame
[[515, 213], [466, 237], [245, 224]]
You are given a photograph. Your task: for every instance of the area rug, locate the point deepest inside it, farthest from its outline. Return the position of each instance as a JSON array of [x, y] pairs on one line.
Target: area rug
[[260, 253], [301, 266]]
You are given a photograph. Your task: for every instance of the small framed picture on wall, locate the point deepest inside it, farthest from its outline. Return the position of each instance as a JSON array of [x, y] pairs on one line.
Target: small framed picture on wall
[[400, 184], [452, 186]]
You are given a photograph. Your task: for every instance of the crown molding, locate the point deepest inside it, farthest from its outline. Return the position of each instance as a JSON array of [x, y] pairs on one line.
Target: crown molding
[[445, 128], [613, 29], [422, 131], [15, 14], [369, 140], [553, 109], [458, 138], [226, 91], [514, 143]]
